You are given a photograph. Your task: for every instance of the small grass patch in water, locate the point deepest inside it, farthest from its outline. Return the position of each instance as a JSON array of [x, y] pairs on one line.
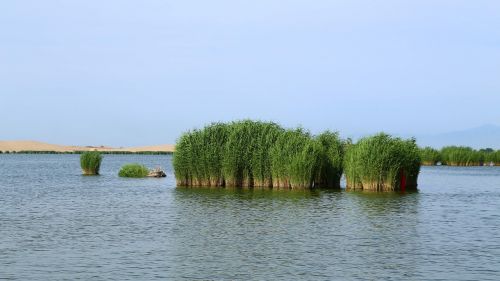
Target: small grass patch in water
[[90, 162], [133, 170]]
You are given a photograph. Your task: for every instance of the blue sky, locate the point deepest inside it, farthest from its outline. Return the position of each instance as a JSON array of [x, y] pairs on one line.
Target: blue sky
[[141, 72]]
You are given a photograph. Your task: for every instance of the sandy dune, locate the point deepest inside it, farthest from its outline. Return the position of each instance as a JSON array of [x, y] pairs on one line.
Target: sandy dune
[[41, 146]]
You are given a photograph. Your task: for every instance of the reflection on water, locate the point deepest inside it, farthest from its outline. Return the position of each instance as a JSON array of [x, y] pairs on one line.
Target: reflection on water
[[56, 224]]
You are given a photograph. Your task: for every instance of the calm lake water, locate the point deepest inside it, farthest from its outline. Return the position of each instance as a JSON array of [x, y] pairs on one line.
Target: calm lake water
[[56, 224]]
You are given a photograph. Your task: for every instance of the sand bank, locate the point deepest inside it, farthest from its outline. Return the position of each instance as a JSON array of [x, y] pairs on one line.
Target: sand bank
[[41, 146]]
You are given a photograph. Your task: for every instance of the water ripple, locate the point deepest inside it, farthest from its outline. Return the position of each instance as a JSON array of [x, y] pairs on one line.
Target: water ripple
[[56, 224]]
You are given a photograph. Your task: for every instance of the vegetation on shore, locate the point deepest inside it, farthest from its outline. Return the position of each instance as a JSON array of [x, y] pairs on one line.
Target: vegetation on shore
[[257, 154], [90, 162], [430, 156], [133, 170], [382, 163], [492, 157], [80, 152], [460, 156]]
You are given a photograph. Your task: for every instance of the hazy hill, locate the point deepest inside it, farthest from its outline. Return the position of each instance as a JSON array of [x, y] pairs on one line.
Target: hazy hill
[[479, 137]]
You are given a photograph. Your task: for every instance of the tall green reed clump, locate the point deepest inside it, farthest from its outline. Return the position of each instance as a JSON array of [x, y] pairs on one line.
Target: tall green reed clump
[[295, 160], [199, 154], [381, 162], [331, 161], [461, 156], [257, 154], [90, 161], [430, 156], [246, 161]]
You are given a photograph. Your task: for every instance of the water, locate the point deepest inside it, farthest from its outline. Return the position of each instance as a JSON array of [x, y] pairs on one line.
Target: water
[[56, 224]]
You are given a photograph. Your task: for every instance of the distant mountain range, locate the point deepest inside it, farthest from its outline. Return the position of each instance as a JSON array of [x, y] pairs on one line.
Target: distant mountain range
[[479, 137]]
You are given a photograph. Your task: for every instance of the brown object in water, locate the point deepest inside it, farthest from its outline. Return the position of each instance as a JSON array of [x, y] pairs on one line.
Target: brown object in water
[[157, 173]]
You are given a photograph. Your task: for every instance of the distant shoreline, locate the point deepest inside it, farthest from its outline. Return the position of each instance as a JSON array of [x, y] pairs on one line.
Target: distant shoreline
[[35, 147], [80, 152]]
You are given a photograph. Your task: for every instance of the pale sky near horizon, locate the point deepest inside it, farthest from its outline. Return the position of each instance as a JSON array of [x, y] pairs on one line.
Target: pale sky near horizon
[[141, 72]]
